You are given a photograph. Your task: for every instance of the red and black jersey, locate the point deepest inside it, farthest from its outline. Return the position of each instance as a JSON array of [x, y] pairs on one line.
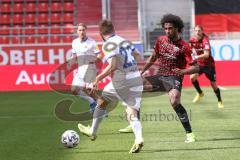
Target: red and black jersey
[[200, 46], [171, 55]]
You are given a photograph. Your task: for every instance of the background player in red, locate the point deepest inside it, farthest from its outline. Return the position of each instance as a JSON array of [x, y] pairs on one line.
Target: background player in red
[[173, 54], [202, 54]]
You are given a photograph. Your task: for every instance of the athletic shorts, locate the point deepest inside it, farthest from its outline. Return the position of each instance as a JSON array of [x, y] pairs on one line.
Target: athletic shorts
[[127, 91], [165, 83], [209, 72]]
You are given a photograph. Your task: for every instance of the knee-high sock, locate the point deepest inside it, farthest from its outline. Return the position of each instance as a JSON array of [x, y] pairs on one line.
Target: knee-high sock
[[182, 114], [218, 94], [196, 86], [137, 129], [98, 115]]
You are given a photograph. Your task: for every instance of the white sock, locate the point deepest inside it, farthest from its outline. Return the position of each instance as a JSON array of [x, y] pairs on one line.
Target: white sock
[[98, 115], [86, 97], [137, 129]]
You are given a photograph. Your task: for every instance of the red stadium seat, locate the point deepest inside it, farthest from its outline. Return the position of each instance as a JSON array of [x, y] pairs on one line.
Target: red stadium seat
[[5, 19], [56, 18], [68, 18], [55, 29], [67, 39], [17, 29], [18, 8], [31, 7], [6, 1], [68, 29], [43, 18], [42, 39], [4, 40], [30, 39], [30, 0], [17, 19], [43, 0], [5, 8], [56, 7], [43, 7], [55, 39], [68, 7], [30, 29], [16, 40], [42, 29], [4, 30], [30, 18]]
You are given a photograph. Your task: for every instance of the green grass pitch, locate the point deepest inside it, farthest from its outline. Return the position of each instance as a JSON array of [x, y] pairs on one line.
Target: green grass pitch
[[31, 131]]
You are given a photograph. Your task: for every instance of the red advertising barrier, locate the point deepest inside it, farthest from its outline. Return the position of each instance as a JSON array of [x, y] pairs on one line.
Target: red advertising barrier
[[24, 68]]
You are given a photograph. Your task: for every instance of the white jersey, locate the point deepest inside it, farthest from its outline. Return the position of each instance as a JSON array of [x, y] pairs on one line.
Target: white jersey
[[123, 50], [126, 84], [86, 53]]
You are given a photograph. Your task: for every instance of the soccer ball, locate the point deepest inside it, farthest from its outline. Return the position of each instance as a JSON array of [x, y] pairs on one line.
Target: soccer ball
[[70, 139]]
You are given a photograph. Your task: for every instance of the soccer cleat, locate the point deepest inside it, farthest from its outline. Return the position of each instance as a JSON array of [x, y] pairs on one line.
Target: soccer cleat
[[92, 107], [220, 104], [190, 138], [198, 97], [128, 129], [87, 131], [136, 148]]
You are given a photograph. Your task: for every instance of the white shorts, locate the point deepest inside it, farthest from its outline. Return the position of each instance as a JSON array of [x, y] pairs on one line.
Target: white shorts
[[126, 91], [85, 75]]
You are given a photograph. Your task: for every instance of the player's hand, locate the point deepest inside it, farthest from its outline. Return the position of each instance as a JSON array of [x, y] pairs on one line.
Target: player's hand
[[178, 71], [94, 87]]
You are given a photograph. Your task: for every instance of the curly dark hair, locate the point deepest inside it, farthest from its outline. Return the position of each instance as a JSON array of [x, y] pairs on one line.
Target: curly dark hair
[[175, 20]]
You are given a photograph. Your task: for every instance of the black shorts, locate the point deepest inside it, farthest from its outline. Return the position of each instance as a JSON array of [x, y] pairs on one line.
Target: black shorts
[[209, 72], [165, 83]]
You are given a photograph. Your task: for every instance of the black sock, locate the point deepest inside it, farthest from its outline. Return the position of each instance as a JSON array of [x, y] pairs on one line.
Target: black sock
[[138, 114], [182, 115], [197, 87], [218, 94]]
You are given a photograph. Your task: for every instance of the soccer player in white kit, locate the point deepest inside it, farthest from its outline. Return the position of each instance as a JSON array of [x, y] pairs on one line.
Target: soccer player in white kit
[[86, 52], [126, 84]]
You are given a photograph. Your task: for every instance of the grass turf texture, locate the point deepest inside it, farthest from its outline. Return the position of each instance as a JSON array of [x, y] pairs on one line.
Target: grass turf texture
[[30, 129]]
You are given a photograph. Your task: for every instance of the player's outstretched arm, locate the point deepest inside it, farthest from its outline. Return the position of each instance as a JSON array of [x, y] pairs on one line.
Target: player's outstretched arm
[[190, 70], [150, 61]]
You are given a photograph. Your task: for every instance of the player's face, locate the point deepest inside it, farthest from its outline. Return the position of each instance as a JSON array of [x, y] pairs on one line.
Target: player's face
[[198, 33], [170, 30], [81, 31]]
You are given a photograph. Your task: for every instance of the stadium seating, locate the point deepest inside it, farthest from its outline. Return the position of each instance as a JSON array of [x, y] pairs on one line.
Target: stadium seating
[[56, 18], [42, 39], [5, 8], [5, 19], [43, 7], [17, 19], [16, 40], [29, 39], [16, 30], [55, 39], [4, 30], [56, 7], [30, 29], [30, 18], [18, 7], [42, 29], [30, 7], [4, 40], [55, 29], [68, 6], [43, 18]]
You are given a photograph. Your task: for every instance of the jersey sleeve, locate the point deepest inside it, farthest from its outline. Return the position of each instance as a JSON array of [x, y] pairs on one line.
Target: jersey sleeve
[[96, 49], [109, 53], [156, 47], [206, 44], [188, 56]]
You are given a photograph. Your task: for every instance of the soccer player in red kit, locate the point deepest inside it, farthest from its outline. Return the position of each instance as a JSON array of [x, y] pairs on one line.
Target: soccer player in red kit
[[202, 49], [173, 54]]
